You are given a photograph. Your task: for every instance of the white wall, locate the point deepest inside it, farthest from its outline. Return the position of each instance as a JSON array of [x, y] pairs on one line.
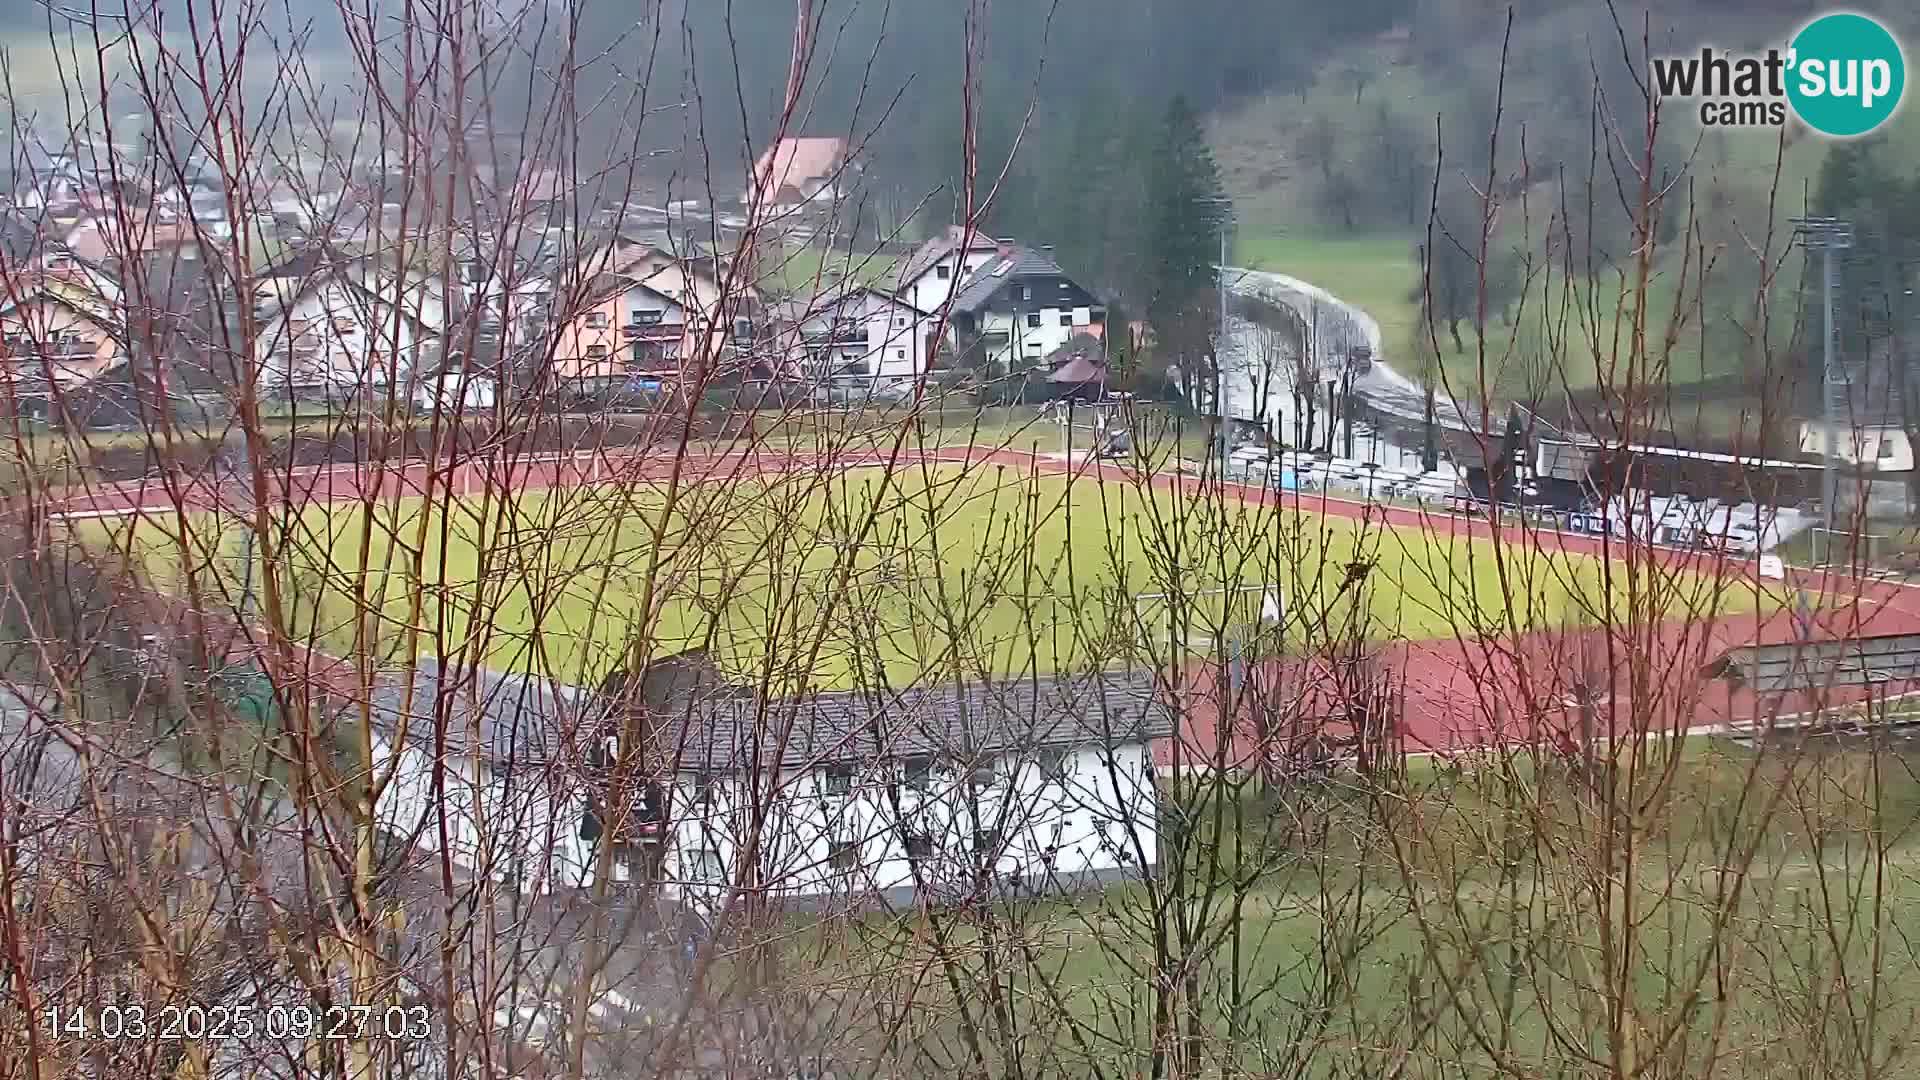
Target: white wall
[[896, 345], [1035, 342], [525, 828], [929, 292], [897, 340], [1883, 448], [351, 328]]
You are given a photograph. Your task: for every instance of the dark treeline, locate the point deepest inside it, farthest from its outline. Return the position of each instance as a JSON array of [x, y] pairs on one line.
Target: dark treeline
[[1089, 81]]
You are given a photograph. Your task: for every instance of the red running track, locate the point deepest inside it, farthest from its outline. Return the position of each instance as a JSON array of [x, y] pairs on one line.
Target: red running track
[[1845, 605]]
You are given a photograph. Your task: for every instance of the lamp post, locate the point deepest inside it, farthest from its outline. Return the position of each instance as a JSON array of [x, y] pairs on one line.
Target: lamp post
[[1828, 235], [1223, 222]]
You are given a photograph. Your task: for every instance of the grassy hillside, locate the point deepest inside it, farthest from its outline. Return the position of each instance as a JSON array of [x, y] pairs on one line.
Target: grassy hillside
[[1731, 193]]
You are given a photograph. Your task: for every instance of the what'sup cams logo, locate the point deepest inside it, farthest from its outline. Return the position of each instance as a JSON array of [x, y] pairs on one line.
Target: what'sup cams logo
[[1842, 75]]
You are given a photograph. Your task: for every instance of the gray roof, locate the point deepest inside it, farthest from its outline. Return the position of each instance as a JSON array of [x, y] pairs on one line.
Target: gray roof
[[522, 719], [955, 721], [42, 768], [944, 243], [1818, 665], [984, 282], [702, 724]]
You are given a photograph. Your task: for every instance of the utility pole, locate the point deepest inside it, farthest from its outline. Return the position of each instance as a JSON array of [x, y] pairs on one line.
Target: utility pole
[[1219, 367], [1224, 207], [1828, 235]]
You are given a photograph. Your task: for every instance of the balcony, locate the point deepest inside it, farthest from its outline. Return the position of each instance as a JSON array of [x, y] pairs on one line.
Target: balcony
[[651, 331], [841, 333], [51, 349]]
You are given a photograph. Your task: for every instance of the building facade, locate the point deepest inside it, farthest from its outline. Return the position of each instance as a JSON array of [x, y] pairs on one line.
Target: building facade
[[1017, 308], [946, 794], [862, 334]]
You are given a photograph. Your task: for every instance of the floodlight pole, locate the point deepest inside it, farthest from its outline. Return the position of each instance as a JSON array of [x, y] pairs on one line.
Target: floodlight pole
[[1828, 235], [1219, 352], [1225, 207]]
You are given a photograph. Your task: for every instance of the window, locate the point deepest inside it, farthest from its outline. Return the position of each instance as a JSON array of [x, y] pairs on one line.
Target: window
[[983, 774], [705, 866], [345, 327], [1066, 318], [918, 773], [918, 845], [1053, 766], [901, 354], [596, 352], [986, 842], [839, 780], [647, 316], [474, 273], [899, 321], [943, 271], [596, 320], [1033, 320], [743, 329], [704, 785], [1886, 447], [1026, 293], [844, 854]]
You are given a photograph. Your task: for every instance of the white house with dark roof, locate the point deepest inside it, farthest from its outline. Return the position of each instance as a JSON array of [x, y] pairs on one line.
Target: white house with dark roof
[[857, 334], [1019, 307], [946, 793], [334, 324]]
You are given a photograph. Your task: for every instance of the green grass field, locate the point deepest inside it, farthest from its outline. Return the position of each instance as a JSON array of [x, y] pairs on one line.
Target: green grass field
[[1473, 864], [810, 270], [937, 574]]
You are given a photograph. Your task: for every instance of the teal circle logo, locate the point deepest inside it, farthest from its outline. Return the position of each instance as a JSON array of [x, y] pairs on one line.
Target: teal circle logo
[[1846, 74]]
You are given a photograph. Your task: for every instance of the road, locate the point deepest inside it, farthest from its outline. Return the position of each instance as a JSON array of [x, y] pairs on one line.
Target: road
[[1341, 326]]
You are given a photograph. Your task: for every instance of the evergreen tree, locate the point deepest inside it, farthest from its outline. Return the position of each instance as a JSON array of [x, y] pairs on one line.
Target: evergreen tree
[[1185, 211]]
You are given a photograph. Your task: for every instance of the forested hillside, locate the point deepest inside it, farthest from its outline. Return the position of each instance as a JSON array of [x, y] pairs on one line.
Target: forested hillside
[[1335, 182]]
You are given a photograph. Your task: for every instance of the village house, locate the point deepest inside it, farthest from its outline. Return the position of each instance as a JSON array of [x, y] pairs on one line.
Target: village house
[[332, 325], [942, 794], [56, 336], [857, 335], [683, 270], [1017, 308], [1872, 429], [799, 172], [933, 273], [622, 329], [61, 323]]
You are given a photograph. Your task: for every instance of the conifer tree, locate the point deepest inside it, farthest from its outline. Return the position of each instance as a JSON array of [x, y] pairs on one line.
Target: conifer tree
[[1185, 213]]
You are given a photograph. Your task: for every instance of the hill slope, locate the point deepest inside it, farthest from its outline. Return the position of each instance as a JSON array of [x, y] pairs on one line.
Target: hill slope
[[1334, 184]]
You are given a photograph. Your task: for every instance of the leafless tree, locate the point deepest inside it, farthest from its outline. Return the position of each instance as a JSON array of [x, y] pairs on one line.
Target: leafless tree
[[505, 669]]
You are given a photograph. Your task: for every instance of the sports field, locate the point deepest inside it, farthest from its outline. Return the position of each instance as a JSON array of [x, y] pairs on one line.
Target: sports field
[[934, 572]]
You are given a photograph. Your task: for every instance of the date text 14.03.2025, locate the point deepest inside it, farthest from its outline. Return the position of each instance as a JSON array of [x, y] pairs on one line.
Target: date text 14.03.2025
[[219, 1022]]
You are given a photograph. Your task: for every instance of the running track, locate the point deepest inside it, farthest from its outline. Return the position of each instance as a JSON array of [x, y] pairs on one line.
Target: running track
[[1847, 605]]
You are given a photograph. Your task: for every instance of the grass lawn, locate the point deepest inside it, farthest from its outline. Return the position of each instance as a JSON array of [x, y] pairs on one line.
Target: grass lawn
[[938, 573], [805, 271], [1380, 274], [1473, 912]]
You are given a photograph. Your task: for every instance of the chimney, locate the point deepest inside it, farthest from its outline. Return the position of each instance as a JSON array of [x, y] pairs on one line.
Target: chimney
[[1006, 245]]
